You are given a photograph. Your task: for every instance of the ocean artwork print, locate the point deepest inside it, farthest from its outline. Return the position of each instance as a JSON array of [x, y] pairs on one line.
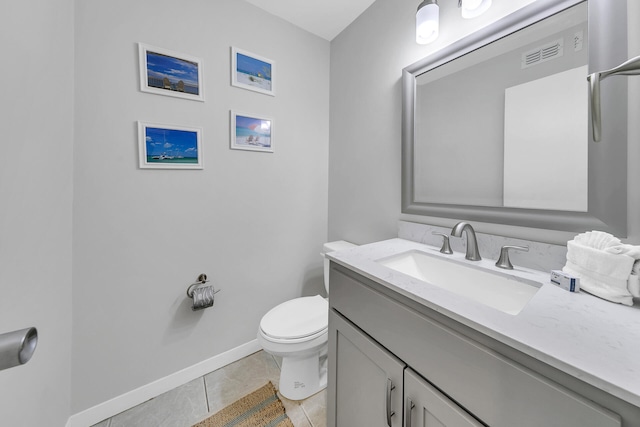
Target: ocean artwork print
[[251, 133], [252, 72], [170, 147], [168, 73]]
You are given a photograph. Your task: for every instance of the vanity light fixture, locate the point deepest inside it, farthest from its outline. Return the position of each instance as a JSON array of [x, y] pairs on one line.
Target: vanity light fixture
[[428, 17], [472, 8], [427, 21]]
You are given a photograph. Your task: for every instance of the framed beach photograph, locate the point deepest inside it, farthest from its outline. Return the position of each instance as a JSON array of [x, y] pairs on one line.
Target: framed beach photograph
[[169, 147], [252, 72], [250, 132], [164, 72]]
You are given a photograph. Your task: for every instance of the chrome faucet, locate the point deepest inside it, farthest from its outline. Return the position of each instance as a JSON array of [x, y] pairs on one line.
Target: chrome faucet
[[473, 254]]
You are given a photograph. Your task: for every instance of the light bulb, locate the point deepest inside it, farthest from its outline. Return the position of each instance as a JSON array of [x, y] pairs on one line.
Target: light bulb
[[427, 22], [473, 8]]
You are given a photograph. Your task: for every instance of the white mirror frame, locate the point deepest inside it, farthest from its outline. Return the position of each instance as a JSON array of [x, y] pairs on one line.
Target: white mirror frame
[[607, 206]]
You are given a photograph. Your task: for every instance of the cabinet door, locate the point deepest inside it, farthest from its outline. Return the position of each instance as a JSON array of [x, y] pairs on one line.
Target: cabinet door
[[365, 380], [425, 406]]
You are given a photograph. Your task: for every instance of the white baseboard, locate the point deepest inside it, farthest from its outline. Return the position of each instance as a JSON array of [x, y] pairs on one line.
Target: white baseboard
[[135, 397]]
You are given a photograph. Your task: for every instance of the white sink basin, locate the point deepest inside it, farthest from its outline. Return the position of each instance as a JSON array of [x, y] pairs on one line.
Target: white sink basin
[[501, 291]]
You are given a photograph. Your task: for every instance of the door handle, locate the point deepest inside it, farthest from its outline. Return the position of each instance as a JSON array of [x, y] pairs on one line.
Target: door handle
[[390, 413]]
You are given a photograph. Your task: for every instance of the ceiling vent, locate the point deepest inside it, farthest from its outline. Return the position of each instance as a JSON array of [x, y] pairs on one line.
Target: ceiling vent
[[543, 53]]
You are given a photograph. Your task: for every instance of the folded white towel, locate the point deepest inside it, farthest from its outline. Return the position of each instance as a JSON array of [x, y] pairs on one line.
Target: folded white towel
[[609, 289], [634, 278], [601, 273], [615, 266]]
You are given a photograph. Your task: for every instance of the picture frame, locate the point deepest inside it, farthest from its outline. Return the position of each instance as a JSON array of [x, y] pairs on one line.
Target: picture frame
[[252, 72], [163, 146], [164, 72], [251, 132]]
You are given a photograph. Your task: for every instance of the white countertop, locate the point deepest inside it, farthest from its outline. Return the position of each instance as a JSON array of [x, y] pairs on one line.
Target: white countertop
[[589, 338]]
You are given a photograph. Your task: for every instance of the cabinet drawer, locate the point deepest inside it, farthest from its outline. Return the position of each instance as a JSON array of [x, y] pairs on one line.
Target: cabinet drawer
[[495, 389]]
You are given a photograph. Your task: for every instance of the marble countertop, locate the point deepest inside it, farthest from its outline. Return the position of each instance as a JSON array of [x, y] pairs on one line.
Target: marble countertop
[[589, 338]]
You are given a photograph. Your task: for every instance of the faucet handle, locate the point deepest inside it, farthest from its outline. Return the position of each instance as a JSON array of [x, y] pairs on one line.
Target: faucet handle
[[504, 261], [446, 247]]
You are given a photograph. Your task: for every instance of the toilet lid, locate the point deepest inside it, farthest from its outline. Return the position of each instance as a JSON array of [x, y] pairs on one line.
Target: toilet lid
[[297, 318]]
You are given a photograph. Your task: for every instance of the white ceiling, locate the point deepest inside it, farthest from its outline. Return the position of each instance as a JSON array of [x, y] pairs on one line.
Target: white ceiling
[[324, 18]]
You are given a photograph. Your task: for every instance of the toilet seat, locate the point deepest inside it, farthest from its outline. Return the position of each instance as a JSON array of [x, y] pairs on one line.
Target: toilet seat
[[297, 320]]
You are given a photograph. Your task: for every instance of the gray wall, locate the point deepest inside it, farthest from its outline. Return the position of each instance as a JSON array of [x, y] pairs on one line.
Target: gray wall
[[36, 110], [364, 154], [254, 222], [364, 160]]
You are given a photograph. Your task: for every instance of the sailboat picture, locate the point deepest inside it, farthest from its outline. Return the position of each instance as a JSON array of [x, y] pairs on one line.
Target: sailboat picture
[[169, 147]]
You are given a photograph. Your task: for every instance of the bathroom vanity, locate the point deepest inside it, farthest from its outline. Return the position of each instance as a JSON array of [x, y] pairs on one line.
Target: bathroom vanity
[[403, 352]]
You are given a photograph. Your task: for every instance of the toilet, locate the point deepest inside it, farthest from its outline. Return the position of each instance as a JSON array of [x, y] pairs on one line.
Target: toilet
[[296, 330]]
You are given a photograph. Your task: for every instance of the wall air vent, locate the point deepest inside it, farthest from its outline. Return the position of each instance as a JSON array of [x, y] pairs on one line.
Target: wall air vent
[[544, 53]]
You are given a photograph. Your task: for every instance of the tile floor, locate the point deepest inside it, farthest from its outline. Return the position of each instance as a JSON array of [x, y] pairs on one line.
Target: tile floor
[[194, 401]]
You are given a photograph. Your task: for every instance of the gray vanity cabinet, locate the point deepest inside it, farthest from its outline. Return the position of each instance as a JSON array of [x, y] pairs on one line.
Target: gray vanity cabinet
[[368, 379], [453, 375]]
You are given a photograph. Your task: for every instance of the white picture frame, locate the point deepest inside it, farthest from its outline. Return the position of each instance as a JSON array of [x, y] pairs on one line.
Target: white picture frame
[[169, 73], [162, 146], [251, 132], [252, 72]]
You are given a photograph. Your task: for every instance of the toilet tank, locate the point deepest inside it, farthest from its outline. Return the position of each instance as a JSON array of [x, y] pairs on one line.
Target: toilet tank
[[338, 245]]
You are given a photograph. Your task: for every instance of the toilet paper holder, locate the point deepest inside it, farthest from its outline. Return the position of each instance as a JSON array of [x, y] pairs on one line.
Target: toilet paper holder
[[202, 279], [206, 295], [17, 347]]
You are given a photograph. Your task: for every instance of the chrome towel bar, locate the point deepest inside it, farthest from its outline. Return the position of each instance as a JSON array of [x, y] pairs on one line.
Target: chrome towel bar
[[627, 68]]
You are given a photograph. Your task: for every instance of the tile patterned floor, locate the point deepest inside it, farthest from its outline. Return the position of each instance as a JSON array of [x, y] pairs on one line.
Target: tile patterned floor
[[194, 401]]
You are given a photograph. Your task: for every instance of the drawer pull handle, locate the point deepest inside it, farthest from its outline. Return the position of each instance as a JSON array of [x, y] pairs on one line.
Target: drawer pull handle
[[390, 413], [409, 408]]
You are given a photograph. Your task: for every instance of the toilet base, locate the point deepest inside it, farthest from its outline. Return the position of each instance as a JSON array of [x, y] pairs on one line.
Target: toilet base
[[301, 377]]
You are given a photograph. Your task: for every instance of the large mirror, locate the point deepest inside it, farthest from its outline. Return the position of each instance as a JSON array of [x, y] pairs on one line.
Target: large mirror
[[496, 126]]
